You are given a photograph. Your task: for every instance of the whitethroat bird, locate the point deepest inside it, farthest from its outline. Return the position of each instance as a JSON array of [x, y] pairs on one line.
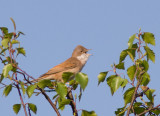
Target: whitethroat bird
[[74, 65]]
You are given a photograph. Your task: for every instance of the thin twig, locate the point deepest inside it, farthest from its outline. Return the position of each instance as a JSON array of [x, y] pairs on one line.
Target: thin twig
[[21, 99], [25, 73], [19, 92], [135, 93], [149, 110], [29, 111], [72, 103], [133, 98], [43, 92], [50, 101]]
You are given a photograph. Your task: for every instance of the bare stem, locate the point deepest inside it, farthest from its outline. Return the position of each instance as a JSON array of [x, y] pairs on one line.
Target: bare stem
[[24, 72], [22, 102], [133, 99], [50, 101], [29, 111], [149, 110], [72, 103]]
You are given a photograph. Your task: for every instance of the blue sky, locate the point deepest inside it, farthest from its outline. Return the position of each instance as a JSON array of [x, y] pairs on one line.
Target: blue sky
[[53, 28]]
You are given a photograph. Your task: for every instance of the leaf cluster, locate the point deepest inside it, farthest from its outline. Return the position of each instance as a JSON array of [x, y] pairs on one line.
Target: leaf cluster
[[138, 78], [10, 49]]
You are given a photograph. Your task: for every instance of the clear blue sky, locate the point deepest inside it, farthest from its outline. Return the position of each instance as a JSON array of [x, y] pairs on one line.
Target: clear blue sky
[[54, 28]]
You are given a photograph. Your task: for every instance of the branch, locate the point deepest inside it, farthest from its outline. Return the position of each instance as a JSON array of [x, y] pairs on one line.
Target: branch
[[72, 103], [148, 110], [21, 99], [24, 72], [135, 93], [29, 111], [133, 98], [43, 92], [50, 101]]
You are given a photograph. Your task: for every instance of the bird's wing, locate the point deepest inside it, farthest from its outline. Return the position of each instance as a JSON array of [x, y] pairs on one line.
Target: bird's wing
[[68, 64]]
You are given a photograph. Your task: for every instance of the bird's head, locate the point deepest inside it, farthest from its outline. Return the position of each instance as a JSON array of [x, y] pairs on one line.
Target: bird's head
[[81, 54]]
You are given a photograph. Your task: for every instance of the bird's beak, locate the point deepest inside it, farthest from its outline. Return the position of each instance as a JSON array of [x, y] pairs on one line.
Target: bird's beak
[[89, 50]]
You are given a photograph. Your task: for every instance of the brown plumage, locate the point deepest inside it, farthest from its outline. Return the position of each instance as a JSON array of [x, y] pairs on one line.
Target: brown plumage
[[74, 64]]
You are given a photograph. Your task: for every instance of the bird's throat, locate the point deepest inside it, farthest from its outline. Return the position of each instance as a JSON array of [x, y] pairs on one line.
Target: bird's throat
[[83, 58]]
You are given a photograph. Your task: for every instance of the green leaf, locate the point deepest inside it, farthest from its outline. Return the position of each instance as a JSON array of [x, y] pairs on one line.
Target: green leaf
[[55, 96], [130, 55], [139, 110], [145, 65], [150, 54], [88, 113], [120, 65], [124, 82], [30, 90], [131, 39], [115, 84], [16, 108], [120, 111], [22, 87], [59, 102], [74, 84], [157, 112], [6, 69], [3, 51], [82, 79], [109, 82], [7, 90], [137, 104], [131, 72], [2, 77], [67, 76], [149, 94], [44, 83], [14, 41], [8, 36], [123, 55], [19, 33], [63, 103], [4, 30], [128, 95], [61, 89], [145, 79], [102, 76], [32, 107], [132, 52], [148, 38], [21, 51], [4, 42]]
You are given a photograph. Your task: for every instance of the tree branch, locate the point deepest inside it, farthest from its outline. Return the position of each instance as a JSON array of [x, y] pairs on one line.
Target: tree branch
[[72, 103], [135, 92], [22, 102], [149, 110], [50, 101], [133, 98], [42, 91], [19, 92]]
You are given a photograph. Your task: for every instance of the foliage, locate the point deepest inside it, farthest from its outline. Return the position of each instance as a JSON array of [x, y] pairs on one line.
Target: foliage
[[136, 77], [138, 97], [10, 49]]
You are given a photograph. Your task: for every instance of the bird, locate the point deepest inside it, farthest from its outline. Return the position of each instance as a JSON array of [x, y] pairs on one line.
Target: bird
[[74, 65]]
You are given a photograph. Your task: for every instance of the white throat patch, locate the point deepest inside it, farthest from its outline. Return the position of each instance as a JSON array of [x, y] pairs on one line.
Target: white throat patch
[[83, 58]]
